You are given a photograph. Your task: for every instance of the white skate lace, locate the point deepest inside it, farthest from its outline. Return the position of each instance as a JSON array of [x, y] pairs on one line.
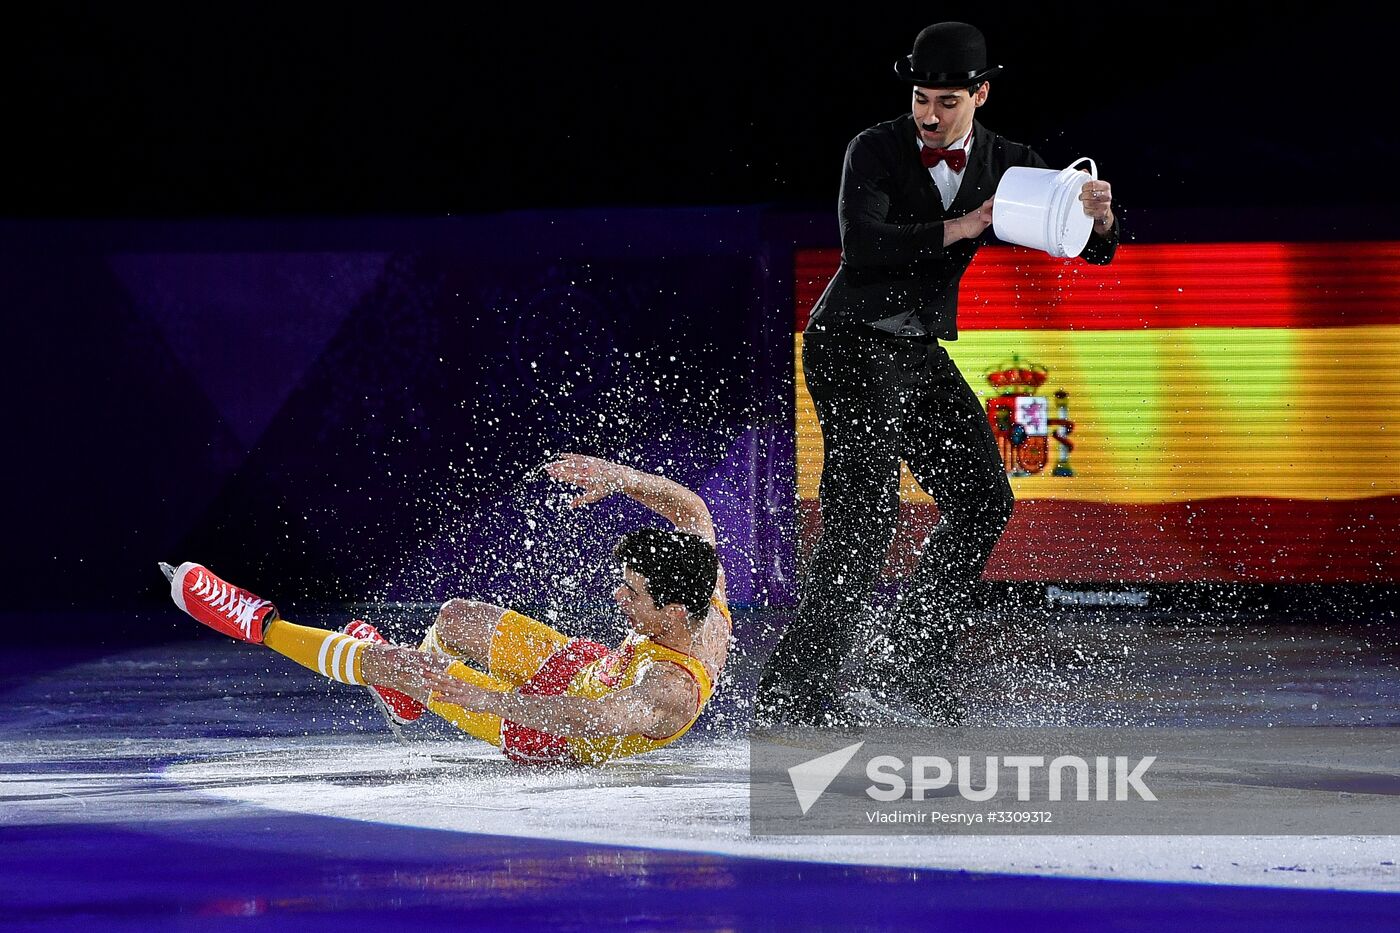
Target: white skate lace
[[229, 601]]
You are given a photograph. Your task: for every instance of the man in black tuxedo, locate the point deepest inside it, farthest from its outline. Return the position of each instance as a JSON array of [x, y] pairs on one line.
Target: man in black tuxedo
[[916, 200]]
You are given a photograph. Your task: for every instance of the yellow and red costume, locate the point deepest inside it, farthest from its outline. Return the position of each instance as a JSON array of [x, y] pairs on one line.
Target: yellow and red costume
[[529, 657]]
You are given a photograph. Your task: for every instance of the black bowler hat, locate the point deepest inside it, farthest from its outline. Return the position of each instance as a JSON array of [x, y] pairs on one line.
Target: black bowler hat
[[947, 55]]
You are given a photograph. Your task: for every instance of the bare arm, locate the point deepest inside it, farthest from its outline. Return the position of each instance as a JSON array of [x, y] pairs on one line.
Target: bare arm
[[601, 478], [660, 704]]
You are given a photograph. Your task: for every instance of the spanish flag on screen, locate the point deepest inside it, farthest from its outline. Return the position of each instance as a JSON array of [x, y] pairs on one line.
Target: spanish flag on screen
[[1206, 412]]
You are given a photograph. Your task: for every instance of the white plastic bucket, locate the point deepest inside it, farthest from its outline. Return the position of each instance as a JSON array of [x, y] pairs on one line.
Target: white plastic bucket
[[1040, 208]]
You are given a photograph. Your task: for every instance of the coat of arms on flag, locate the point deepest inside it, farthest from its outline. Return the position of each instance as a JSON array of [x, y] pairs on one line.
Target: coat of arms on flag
[[1022, 420]]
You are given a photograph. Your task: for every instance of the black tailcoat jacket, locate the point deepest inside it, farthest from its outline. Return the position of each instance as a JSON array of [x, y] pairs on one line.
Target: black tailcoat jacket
[[893, 259]]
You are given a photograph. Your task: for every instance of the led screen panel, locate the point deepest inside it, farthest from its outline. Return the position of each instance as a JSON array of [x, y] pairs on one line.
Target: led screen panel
[[1206, 412]]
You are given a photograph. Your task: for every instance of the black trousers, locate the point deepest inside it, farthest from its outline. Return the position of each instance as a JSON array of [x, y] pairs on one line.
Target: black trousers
[[881, 400]]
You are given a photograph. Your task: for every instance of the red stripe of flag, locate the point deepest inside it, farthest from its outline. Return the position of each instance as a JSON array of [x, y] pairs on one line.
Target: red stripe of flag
[[1164, 286], [1241, 539]]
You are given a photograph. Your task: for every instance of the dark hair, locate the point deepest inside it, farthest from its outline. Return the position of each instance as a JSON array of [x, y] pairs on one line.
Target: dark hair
[[679, 567]]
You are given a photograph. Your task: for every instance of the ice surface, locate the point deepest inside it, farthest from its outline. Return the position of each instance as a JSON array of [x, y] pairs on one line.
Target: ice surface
[[213, 729]]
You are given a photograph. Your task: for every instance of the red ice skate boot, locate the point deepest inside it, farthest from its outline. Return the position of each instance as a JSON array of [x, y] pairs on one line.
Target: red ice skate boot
[[217, 603], [399, 707]]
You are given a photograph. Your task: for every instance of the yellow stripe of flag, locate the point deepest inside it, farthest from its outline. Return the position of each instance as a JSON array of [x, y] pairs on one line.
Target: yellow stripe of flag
[[1191, 413]]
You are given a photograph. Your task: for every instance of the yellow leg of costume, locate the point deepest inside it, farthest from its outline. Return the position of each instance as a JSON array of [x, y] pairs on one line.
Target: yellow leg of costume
[[483, 726], [331, 654], [337, 656], [432, 644]]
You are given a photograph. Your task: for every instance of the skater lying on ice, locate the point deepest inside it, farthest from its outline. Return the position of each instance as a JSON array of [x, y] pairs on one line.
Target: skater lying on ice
[[536, 693]]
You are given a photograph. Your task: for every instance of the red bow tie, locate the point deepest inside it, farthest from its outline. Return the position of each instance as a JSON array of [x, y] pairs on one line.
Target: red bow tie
[[956, 158]]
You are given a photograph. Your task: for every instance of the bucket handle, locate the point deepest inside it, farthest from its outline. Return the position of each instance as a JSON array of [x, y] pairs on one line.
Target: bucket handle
[[1072, 167]]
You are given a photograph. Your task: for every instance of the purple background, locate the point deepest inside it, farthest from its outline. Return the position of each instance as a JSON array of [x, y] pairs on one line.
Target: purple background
[[332, 412]]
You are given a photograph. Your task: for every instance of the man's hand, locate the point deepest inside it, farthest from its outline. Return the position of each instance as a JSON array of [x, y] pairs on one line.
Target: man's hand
[[400, 668], [1097, 198], [598, 478], [969, 226], [443, 687]]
